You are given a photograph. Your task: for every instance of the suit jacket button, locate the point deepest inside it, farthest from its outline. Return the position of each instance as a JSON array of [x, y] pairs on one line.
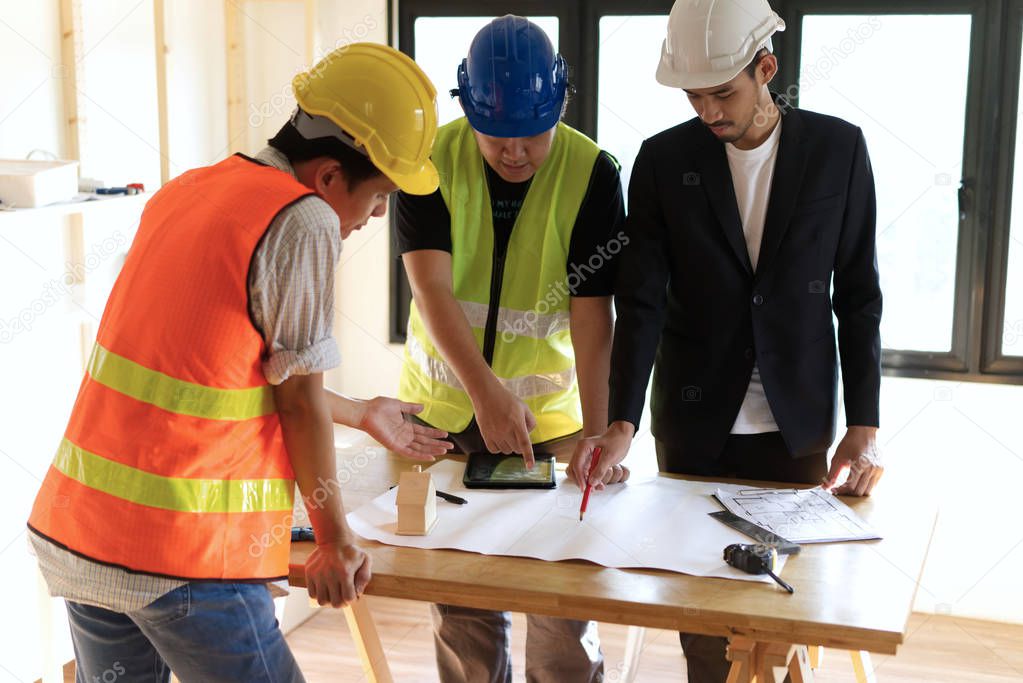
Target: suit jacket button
[[749, 354], [757, 300]]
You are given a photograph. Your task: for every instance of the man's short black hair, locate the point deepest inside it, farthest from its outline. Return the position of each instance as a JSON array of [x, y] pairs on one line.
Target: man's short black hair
[[751, 68], [356, 166]]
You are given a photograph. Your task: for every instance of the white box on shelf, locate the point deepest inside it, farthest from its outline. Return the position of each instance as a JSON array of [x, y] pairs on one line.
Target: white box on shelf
[[29, 183]]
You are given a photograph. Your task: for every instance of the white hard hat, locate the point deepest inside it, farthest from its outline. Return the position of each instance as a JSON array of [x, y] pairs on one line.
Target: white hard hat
[[710, 42]]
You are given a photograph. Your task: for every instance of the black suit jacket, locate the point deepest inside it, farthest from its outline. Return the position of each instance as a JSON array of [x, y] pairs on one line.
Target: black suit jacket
[[688, 297]]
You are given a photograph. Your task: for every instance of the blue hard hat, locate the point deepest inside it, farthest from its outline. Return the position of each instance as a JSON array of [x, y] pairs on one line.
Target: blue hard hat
[[512, 84]]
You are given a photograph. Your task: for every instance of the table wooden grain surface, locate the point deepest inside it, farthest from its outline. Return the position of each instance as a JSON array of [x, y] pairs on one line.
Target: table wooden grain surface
[[852, 596]]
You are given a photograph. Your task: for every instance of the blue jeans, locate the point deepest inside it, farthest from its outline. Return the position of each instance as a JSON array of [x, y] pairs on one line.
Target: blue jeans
[[204, 632]]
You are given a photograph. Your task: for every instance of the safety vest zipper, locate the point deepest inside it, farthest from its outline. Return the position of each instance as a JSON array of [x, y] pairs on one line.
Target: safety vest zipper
[[496, 280]]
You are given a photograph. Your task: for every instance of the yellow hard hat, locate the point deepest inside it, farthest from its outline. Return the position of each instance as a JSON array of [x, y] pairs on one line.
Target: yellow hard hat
[[385, 102]]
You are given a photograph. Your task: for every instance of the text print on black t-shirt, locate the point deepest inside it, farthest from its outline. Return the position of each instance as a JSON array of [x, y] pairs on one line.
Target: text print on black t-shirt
[[506, 209]]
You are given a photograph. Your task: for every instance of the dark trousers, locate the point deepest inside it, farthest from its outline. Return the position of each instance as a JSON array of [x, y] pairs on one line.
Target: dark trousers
[[474, 645], [746, 456]]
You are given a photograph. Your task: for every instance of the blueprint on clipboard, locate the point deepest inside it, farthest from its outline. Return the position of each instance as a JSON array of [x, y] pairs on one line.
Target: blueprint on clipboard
[[798, 515]]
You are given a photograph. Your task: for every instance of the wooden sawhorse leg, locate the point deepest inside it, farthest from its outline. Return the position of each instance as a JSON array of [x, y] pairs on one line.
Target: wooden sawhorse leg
[[367, 641], [754, 662], [863, 668], [633, 649]]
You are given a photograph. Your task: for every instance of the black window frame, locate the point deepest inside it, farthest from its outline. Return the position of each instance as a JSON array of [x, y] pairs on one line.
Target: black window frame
[[992, 103], [996, 282]]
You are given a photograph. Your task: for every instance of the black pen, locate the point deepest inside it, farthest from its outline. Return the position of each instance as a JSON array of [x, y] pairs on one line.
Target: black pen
[[452, 499], [448, 497]]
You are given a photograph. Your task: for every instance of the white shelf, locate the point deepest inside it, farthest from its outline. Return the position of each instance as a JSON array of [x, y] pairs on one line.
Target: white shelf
[[95, 202]]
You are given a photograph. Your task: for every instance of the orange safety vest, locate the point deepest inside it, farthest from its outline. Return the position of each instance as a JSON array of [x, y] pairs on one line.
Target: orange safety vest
[[173, 462]]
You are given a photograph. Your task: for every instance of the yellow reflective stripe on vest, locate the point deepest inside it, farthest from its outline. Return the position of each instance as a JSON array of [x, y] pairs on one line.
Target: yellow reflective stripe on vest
[[173, 493], [526, 386], [176, 395], [519, 323]]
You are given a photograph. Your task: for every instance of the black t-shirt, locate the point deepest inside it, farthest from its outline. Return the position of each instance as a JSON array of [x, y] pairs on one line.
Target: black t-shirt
[[423, 222]]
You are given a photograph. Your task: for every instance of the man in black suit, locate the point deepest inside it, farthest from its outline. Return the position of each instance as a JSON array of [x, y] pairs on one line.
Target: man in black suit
[[749, 226]]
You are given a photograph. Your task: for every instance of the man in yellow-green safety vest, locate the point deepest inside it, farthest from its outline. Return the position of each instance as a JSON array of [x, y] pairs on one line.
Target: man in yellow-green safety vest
[[511, 266]]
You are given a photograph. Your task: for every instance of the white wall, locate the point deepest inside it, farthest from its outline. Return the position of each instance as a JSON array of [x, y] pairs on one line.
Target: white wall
[[120, 142], [31, 97], [370, 364], [39, 369], [960, 445], [196, 84]]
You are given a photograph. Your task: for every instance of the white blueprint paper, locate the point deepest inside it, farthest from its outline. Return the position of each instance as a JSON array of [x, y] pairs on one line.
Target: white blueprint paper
[[654, 523], [798, 515]]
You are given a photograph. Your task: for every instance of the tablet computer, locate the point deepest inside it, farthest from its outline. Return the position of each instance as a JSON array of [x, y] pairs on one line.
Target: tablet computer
[[497, 471]]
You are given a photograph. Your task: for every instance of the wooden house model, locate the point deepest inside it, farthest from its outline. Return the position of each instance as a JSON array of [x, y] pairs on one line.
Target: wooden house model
[[417, 503]]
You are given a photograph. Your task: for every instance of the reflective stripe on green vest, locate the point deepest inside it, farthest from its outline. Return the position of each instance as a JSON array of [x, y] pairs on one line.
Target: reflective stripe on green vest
[[533, 354]]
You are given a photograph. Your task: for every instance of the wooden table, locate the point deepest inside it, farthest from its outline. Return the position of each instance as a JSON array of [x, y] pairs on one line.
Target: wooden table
[[849, 596]]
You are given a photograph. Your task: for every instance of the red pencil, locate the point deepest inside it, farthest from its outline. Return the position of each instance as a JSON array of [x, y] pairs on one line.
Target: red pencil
[[586, 492]]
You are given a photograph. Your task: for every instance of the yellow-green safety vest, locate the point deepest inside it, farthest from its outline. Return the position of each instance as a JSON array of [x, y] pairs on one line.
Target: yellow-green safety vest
[[533, 356]]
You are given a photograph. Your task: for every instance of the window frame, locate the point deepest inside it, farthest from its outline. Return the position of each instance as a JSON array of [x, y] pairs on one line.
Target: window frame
[[996, 282], [975, 333], [985, 197]]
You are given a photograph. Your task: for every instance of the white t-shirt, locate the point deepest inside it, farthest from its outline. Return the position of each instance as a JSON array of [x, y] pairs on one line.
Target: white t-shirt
[[752, 173]]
